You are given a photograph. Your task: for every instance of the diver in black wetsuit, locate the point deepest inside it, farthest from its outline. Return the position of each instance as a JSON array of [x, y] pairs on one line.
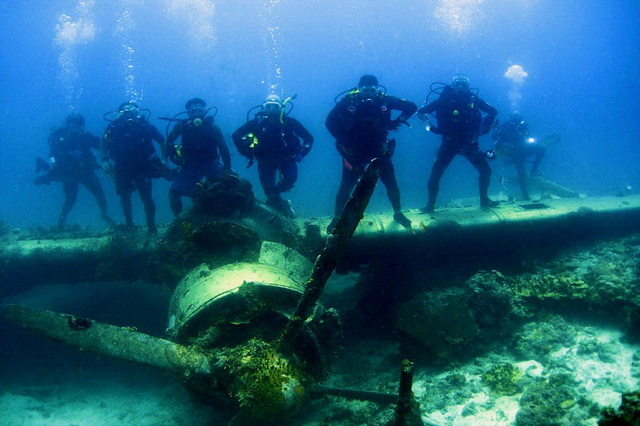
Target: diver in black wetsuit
[[513, 141], [201, 148], [273, 139], [361, 122], [460, 122], [72, 163], [128, 142]]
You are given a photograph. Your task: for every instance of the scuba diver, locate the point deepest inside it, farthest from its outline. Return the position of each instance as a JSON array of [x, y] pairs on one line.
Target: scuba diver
[[458, 111], [360, 122], [72, 163], [272, 138], [199, 153], [128, 155], [512, 140]]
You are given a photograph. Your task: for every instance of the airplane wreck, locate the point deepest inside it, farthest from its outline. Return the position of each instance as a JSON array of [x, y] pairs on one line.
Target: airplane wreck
[[246, 329]]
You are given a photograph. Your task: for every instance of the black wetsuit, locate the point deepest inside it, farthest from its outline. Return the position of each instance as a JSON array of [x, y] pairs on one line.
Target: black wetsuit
[[129, 143], [512, 141], [459, 121], [202, 145], [361, 126], [74, 164], [276, 145]]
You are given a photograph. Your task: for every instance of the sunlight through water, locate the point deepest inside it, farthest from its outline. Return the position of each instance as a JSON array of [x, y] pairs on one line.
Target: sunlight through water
[[198, 16], [71, 33], [269, 17], [124, 27], [458, 16]]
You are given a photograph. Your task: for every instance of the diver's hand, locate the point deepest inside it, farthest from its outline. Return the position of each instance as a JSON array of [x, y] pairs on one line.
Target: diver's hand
[[395, 124], [305, 149]]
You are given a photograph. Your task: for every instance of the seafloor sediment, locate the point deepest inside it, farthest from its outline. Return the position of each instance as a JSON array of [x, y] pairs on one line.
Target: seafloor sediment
[[561, 349]]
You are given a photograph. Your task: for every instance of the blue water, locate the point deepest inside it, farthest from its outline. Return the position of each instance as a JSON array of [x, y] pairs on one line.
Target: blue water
[[581, 60]]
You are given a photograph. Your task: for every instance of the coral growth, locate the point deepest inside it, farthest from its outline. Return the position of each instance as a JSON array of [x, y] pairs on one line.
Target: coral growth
[[537, 339], [265, 384], [547, 402], [627, 414], [503, 379]]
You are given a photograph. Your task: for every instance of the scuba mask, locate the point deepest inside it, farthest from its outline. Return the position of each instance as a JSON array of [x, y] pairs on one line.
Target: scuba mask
[[196, 110], [272, 104], [272, 110], [271, 107], [129, 112], [197, 113], [460, 83], [368, 93]]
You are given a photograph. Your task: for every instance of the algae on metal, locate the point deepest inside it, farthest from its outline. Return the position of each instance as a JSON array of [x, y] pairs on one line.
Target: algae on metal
[[264, 375]]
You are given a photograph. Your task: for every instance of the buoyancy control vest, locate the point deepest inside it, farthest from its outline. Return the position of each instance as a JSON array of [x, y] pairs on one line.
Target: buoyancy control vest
[[274, 141], [128, 142], [198, 141], [458, 113]]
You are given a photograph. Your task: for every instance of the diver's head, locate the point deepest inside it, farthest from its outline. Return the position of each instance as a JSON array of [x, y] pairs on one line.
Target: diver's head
[[460, 83], [74, 120], [196, 108], [368, 86], [128, 110], [272, 105]]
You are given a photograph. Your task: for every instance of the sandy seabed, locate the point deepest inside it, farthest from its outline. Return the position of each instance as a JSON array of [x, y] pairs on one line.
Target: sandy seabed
[[46, 383]]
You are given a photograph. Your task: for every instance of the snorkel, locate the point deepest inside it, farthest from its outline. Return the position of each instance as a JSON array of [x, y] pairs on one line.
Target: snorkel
[[284, 103]]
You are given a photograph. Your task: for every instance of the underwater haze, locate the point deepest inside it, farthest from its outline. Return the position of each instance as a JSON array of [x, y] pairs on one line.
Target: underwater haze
[[541, 307], [570, 67]]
